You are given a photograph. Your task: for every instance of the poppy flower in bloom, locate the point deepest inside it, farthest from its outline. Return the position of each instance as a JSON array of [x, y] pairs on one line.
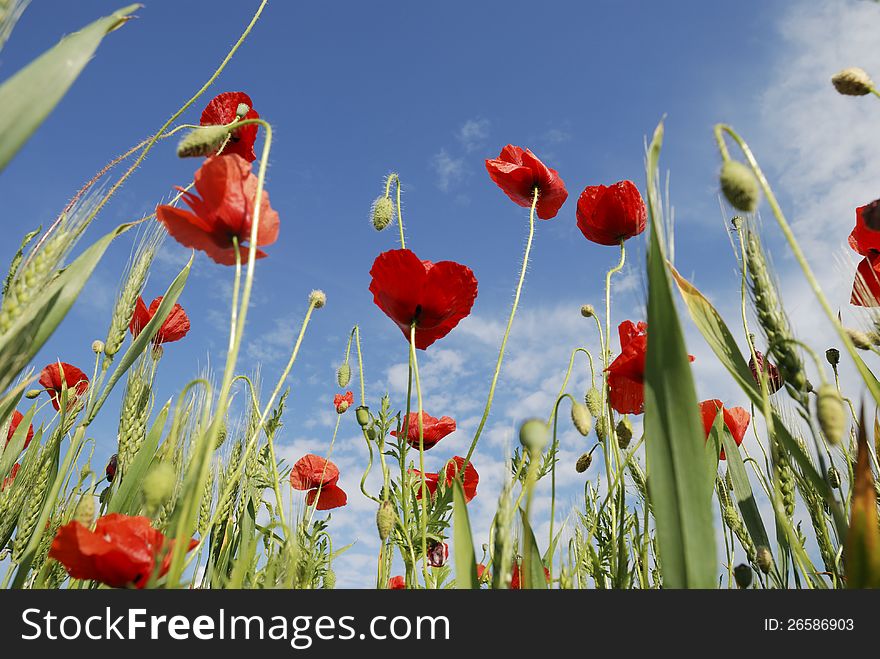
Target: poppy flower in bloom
[[518, 172], [343, 401], [223, 110], [516, 578], [438, 553], [60, 374], [8, 480], [314, 473], [865, 239], [174, 328], [470, 481], [761, 363], [122, 550], [17, 418], [481, 570], [609, 214], [397, 583], [433, 430], [626, 374], [735, 418], [112, 466], [224, 211], [434, 296]]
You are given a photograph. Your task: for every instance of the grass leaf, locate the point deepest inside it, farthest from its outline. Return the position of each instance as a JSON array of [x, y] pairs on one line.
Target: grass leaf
[[862, 554], [465, 560]]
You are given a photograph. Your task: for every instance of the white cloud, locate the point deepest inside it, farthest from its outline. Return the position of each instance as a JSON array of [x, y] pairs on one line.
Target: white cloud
[[473, 133], [449, 170]]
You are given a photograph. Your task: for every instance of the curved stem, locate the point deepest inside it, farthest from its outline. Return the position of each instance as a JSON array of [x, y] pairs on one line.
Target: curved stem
[[394, 179]]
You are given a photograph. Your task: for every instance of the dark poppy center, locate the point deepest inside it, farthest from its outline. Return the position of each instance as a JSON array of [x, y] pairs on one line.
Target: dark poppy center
[[417, 313], [871, 215]]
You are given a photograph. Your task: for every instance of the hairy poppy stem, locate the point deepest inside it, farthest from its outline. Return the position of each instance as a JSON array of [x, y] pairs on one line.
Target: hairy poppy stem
[[423, 521], [394, 179], [314, 506], [519, 286]]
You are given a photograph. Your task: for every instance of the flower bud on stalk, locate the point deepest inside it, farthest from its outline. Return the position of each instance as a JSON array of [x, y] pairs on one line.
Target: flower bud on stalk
[[158, 485], [593, 399], [533, 436], [833, 356], [764, 559], [382, 213], [343, 375], [584, 463], [329, 581], [97, 347], [853, 81], [602, 428], [385, 520], [830, 412], [317, 299], [740, 186], [624, 433], [202, 141], [588, 311], [581, 418], [742, 573]]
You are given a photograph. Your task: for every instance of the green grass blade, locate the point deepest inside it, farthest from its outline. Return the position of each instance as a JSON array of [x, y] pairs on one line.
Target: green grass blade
[[30, 95], [465, 560], [533, 575], [742, 490], [862, 554]]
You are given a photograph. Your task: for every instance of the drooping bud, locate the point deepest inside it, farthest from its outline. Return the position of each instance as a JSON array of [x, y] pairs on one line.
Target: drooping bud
[[860, 340], [853, 81], [833, 478], [382, 213], [385, 518], [624, 431], [742, 573], [97, 347], [593, 400], [317, 299], [202, 141], [588, 311], [584, 463], [112, 466], [85, 510], [764, 559], [343, 375], [602, 428], [158, 485], [830, 412], [362, 414], [33, 393], [740, 186], [833, 356], [533, 436], [581, 418]]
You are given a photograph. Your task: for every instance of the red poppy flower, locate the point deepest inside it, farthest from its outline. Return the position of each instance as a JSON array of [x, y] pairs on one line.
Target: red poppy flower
[[626, 374], [397, 583], [17, 418], [58, 374], [228, 189], [609, 214], [438, 553], [470, 481], [433, 430], [343, 401], [434, 296], [317, 474], [223, 110], [865, 239], [112, 466], [481, 570], [120, 552], [735, 418], [518, 172], [516, 578], [774, 379], [8, 480], [174, 328]]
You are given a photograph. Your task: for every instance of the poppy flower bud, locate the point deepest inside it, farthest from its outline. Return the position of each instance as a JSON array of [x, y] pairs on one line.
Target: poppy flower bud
[[593, 399], [760, 363], [833, 478], [362, 414], [581, 418], [202, 141], [97, 347], [437, 554], [533, 436], [742, 573], [385, 520], [588, 311], [112, 466], [317, 299], [624, 432], [343, 375], [852, 82], [740, 186], [33, 393], [602, 428], [833, 356], [158, 485], [830, 412], [583, 463], [859, 339], [85, 510], [329, 581], [382, 213], [342, 406], [242, 110], [764, 559]]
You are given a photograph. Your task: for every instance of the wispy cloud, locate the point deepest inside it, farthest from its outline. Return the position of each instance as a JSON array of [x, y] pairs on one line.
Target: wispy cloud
[[449, 170], [473, 133]]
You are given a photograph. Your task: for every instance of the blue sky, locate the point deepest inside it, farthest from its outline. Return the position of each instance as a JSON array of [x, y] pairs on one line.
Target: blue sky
[[356, 90]]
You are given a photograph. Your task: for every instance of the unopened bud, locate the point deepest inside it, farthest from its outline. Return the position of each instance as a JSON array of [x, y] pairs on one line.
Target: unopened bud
[[382, 213], [602, 428], [588, 311], [158, 485], [584, 463], [317, 299], [581, 418], [385, 520], [830, 412], [743, 575], [833, 356], [112, 466], [362, 414], [202, 141], [852, 82], [97, 347], [533, 435], [740, 186], [833, 478], [859, 339], [593, 400], [33, 393], [764, 559], [85, 510], [624, 433], [343, 375]]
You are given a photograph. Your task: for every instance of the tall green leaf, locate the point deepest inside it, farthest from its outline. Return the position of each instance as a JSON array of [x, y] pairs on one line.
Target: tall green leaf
[[533, 575], [676, 451], [465, 560], [862, 554], [742, 490], [30, 95]]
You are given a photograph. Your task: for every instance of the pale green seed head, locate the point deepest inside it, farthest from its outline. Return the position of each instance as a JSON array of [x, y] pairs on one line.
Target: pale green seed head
[[740, 186]]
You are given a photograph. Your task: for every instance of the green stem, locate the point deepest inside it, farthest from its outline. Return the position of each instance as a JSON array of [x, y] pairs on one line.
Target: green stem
[[423, 518]]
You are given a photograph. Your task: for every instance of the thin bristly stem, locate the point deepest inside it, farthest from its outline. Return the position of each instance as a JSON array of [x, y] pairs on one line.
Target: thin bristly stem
[[424, 516]]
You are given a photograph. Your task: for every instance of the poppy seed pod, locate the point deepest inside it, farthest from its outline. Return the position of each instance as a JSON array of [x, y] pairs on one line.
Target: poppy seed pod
[[853, 81], [202, 141], [382, 213], [833, 356], [588, 311], [583, 463], [343, 375], [385, 520], [85, 510], [97, 347], [158, 485], [33, 393], [740, 186], [317, 299], [362, 414], [833, 478], [581, 418], [830, 412], [242, 110], [743, 575], [593, 399], [602, 428], [764, 559], [533, 436], [624, 432]]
